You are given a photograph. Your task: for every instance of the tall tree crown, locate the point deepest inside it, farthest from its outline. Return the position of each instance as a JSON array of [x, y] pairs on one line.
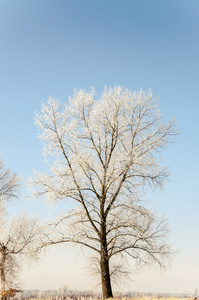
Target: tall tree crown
[[104, 139]]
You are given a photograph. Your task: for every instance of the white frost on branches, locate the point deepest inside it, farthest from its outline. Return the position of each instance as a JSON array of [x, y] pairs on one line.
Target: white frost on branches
[[106, 150], [20, 236]]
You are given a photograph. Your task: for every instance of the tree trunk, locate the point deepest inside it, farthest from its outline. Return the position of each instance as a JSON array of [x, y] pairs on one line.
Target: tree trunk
[[2, 280], [104, 260], [104, 264], [105, 275], [2, 270]]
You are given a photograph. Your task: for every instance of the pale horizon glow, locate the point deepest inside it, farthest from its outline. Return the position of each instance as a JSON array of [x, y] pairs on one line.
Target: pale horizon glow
[[49, 48]]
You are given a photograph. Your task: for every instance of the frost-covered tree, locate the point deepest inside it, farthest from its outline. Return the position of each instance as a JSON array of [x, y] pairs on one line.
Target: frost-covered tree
[[9, 184], [19, 239], [106, 150]]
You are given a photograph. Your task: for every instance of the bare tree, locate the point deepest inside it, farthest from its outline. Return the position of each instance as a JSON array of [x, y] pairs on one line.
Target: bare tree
[[9, 183], [106, 150], [19, 237], [19, 240]]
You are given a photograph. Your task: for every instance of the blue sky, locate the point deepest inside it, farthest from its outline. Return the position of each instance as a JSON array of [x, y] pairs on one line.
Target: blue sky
[[49, 48]]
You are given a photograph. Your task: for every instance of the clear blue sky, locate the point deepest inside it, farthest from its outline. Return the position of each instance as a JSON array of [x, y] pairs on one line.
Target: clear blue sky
[[49, 48]]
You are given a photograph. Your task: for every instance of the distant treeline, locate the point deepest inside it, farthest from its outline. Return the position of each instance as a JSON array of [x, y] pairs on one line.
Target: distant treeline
[[64, 293]]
